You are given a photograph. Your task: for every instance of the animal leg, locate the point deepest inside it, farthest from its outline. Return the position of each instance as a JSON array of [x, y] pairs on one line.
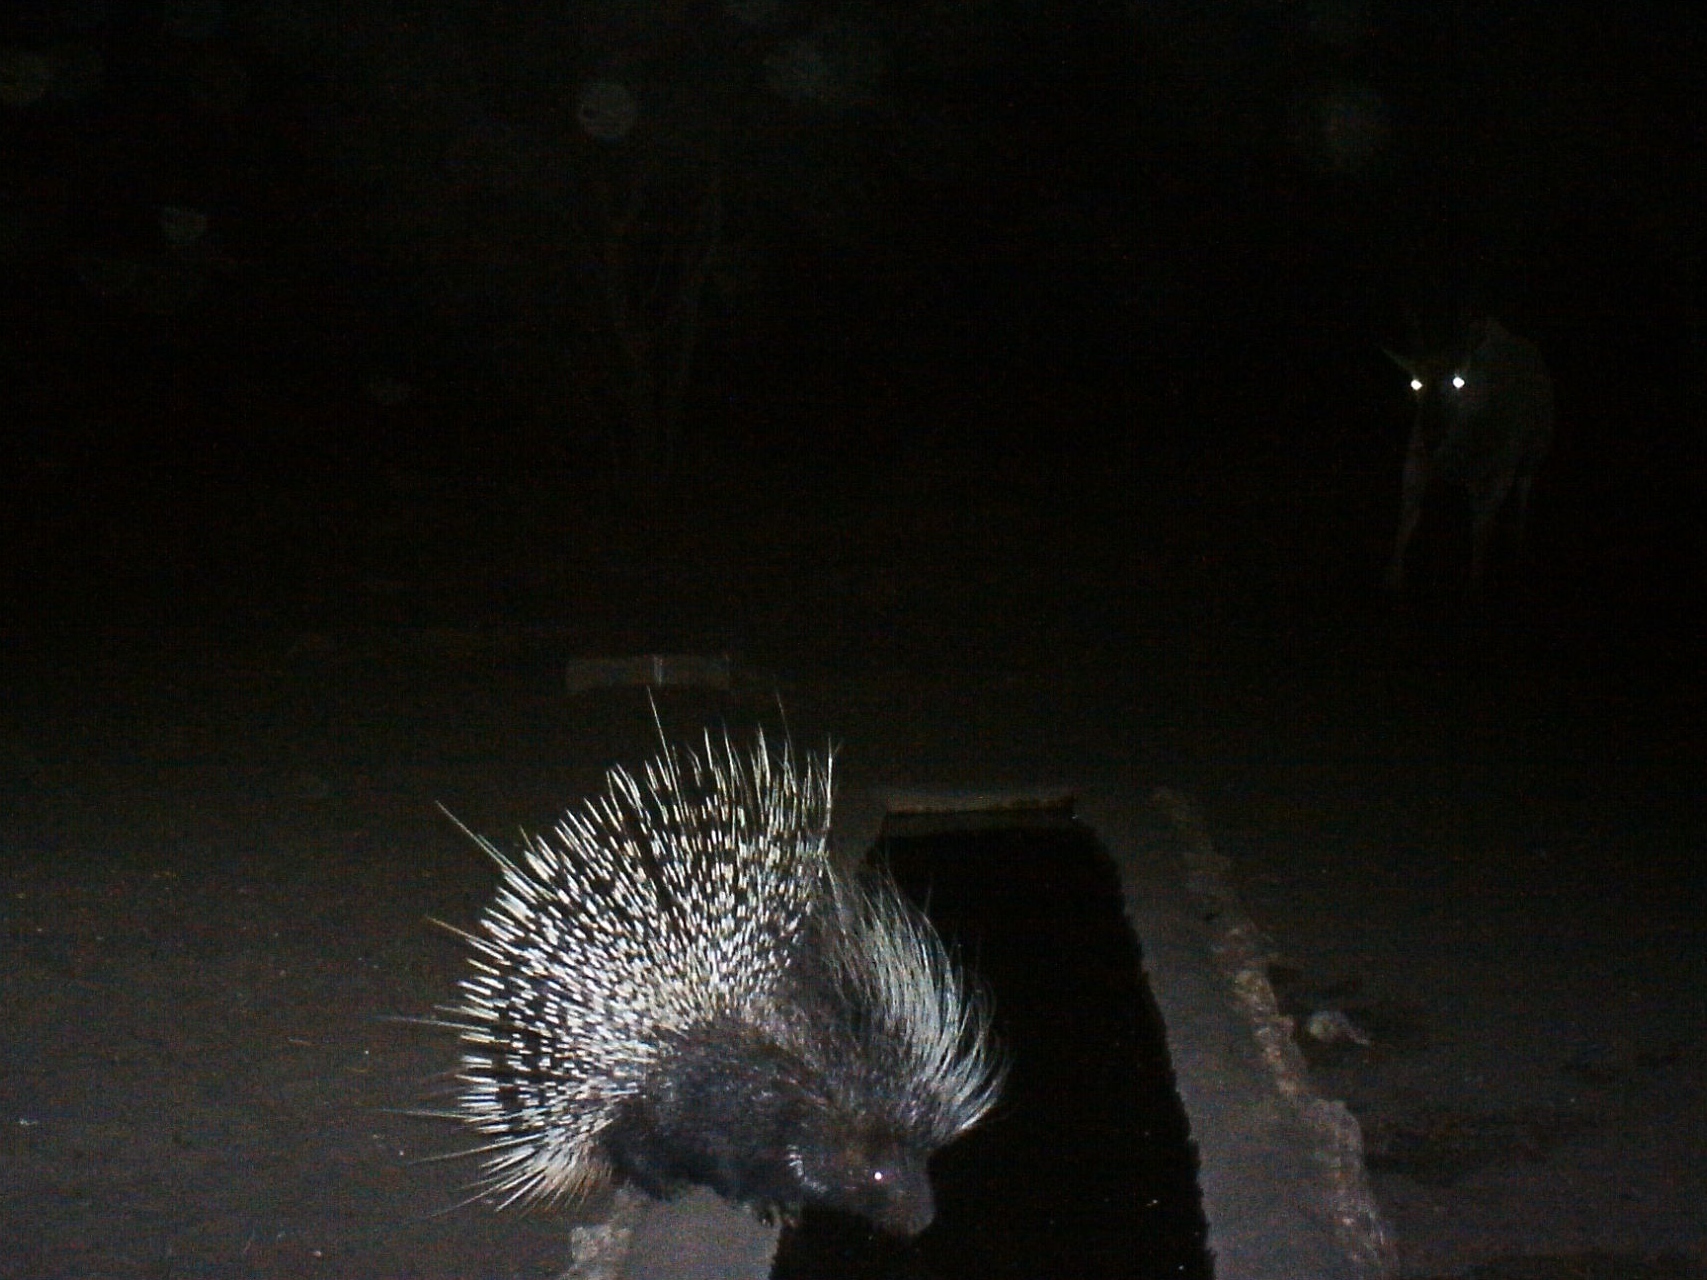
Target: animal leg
[[1410, 512], [1484, 520], [1520, 518]]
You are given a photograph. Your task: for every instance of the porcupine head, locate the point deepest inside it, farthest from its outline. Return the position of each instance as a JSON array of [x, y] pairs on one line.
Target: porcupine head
[[677, 987]]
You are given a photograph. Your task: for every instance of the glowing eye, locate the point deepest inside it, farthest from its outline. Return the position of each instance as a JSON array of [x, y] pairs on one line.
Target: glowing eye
[[1458, 382], [1416, 384]]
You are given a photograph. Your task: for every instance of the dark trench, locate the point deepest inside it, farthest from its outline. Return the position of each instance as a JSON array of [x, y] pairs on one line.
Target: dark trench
[[1086, 1168]]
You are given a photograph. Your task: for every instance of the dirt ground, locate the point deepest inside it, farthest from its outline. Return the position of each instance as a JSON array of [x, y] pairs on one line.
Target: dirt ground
[[1475, 833]]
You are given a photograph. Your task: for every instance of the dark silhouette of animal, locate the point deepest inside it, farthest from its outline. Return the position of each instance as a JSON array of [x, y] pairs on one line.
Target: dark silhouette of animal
[[1484, 423]]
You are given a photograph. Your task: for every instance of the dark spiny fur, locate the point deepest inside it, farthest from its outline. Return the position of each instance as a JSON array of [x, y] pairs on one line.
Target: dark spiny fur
[[677, 987]]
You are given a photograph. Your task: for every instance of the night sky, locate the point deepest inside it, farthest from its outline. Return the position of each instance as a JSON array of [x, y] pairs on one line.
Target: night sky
[[677, 260]]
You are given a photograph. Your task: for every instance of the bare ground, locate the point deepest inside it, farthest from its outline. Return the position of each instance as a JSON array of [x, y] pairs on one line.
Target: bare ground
[[1475, 833]]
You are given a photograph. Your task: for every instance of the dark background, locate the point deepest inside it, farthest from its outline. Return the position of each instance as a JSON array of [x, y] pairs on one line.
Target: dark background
[[1099, 288]]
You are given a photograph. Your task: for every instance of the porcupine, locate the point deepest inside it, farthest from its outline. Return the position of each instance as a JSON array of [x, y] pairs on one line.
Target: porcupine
[[679, 987]]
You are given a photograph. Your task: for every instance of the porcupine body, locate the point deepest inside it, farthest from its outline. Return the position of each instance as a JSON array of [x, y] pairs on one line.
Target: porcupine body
[[678, 987]]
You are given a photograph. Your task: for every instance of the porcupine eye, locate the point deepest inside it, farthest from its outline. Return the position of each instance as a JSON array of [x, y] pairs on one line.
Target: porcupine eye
[[889, 1187]]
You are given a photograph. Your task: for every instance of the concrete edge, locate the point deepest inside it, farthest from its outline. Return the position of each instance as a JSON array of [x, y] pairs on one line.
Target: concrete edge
[[1285, 1191]]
